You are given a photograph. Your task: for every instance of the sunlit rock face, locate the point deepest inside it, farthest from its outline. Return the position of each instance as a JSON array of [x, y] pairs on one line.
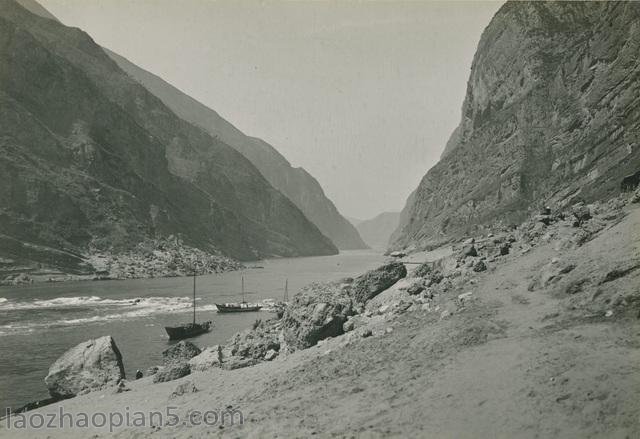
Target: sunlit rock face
[[550, 117]]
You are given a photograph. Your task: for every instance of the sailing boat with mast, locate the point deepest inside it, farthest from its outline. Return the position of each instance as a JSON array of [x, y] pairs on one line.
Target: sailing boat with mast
[[192, 329], [238, 306]]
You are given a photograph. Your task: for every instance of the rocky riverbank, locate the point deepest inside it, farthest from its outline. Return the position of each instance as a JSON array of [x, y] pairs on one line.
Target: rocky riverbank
[[526, 332], [160, 257]]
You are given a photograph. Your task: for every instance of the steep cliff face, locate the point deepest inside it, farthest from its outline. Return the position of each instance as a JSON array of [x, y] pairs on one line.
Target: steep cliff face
[[551, 116], [296, 183], [88, 157]]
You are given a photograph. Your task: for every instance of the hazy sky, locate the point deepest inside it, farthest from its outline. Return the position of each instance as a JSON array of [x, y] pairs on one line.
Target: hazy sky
[[363, 95]]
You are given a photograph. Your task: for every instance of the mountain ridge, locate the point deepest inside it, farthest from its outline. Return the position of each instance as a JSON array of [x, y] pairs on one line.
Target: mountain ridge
[[92, 159], [294, 182]]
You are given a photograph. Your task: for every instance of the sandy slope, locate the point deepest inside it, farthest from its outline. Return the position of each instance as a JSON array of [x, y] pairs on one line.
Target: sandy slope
[[509, 362]]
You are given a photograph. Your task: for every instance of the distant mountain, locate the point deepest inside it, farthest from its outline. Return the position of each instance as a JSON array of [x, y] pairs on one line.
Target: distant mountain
[[551, 117], [377, 231], [296, 183], [91, 159], [36, 8]]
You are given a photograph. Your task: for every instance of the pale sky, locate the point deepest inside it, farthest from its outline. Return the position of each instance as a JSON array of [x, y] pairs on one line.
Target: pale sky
[[363, 95]]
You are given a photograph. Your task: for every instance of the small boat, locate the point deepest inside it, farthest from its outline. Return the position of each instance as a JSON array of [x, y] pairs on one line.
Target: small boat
[[238, 306], [188, 330]]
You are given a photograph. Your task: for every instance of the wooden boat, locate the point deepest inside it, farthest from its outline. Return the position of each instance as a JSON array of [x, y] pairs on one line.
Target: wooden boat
[[238, 306], [187, 330]]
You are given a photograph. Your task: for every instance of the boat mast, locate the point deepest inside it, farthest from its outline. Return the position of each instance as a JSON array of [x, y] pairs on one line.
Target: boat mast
[[286, 290], [194, 297], [243, 301]]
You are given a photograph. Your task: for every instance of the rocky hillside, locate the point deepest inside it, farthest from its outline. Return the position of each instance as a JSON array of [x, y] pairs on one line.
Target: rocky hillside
[[296, 183], [551, 117], [89, 159], [377, 231]]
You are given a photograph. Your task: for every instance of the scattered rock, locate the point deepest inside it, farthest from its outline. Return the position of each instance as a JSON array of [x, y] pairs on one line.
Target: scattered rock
[[416, 287], [180, 352], [184, 388], [172, 372], [254, 343], [469, 250], [581, 214], [158, 257], [88, 366], [355, 322], [239, 363], [270, 355], [479, 266], [423, 270], [434, 279], [208, 358]]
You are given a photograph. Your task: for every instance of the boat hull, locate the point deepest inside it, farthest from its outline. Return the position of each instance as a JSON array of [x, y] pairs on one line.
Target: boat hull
[[233, 308], [187, 330]]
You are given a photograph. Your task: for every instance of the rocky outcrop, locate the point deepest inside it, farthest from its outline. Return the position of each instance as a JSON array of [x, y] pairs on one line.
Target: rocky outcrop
[[171, 372], [261, 342], [181, 352], [551, 117], [91, 365], [377, 231], [208, 358], [160, 257], [89, 158], [318, 311], [296, 183], [176, 362], [373, 282]]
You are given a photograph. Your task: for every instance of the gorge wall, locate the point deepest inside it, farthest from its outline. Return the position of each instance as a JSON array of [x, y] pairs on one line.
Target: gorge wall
[[296, 183], [89, 158], [551, 117]]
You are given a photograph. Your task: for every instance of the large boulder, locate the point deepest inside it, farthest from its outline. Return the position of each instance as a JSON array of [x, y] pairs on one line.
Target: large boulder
[[374, 282], [180, 352], [318, 311], [91, 365]]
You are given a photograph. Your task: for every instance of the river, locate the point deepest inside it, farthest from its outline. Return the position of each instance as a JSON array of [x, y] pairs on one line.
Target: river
[[39, 322]]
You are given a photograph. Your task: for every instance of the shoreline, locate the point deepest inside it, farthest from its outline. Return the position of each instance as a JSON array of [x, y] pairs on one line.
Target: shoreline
[[458, 350]]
